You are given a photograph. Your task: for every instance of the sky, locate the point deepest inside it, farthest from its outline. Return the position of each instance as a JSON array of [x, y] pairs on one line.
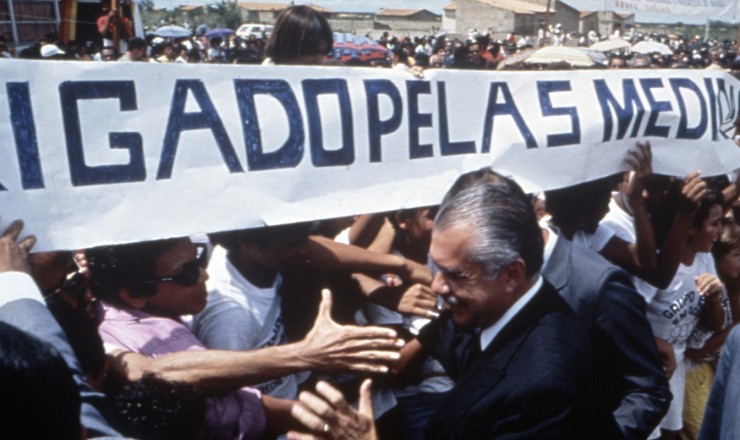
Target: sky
[[432, 5]]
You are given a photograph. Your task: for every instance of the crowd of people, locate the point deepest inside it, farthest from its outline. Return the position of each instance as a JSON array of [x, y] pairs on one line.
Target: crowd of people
[[601, 314], [477, 50]]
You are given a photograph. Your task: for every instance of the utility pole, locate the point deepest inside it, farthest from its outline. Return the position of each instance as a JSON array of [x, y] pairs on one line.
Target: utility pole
[[546, 31]]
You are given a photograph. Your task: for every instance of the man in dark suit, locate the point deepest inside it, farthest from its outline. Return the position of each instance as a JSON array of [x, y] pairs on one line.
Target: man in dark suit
[[633, 393], [524, 369], [533, 377]]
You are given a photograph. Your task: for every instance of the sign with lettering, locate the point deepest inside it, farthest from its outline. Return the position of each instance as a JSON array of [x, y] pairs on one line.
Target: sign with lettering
[[98, 153], [677, 9]]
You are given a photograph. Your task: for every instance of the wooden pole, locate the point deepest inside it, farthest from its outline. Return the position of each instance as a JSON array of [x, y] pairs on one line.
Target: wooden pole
[[116, 25]]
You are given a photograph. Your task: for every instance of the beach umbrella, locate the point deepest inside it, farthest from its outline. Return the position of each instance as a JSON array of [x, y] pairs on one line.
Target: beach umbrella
[[172, 31], [219, 33], [562, 54], [648, 47], [610, 45], [515, 58]]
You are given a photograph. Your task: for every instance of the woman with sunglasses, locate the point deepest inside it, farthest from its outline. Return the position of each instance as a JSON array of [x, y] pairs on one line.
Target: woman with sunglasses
[[146, 287]]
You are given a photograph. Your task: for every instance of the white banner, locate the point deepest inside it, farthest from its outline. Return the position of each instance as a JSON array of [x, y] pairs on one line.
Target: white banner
[[96, 153], [677, 10]]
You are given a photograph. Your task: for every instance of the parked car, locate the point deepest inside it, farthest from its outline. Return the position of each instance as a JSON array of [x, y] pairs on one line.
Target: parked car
[[260, 31]]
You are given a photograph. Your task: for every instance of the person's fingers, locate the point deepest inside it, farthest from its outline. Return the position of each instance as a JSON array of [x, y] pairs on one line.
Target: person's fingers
[[27, 243], [379, 333], [325, 305], [426, 302], [14, 230], [307, 417], [293, 435], [333, 396], [426, 313], [365, 406], [633, 164], [695, 189], [364, 367], [317, 405], [374, 357]]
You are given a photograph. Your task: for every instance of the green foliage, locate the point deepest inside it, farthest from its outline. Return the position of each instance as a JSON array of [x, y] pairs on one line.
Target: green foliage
[[146, 5], [225, 13]]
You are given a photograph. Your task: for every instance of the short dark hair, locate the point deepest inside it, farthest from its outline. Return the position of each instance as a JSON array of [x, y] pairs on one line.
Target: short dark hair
[[113, 268], [712, 197], [154, 408], [39, 395], [136, 43], [299, 30], [567, 205]]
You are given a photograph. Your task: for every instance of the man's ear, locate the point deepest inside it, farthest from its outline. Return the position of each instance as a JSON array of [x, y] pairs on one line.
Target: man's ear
[[133, 301], [514, 273]]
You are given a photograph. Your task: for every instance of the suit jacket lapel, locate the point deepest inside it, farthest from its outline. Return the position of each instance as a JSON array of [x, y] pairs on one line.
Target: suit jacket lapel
[[489, 369]]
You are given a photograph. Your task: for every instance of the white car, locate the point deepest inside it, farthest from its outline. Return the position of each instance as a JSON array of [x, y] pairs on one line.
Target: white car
[[260, 31]]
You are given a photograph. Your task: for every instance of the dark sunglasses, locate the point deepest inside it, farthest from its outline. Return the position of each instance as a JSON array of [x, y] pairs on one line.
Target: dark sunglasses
[[189, 275]]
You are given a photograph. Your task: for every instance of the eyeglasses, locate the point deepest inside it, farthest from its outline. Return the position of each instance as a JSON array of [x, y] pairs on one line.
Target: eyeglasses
[[189, 275]]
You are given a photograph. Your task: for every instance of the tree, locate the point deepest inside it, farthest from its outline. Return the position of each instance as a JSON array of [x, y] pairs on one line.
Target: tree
[[225, 13], [146, 5]]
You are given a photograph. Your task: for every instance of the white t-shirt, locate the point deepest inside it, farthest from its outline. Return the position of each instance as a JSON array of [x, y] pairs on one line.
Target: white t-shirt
[[674, 312], [242, 316], [595, 241]]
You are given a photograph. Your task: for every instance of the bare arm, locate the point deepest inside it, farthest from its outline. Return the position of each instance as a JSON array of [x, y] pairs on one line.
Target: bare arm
[[667, 356], [327, 253], [668, 259], [327, 347], [693, 189], [638, 257], [644, 249], [714, 343], [365, 229]]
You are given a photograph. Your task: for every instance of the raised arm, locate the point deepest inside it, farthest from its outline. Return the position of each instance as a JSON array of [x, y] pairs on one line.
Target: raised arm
[[327, 253]]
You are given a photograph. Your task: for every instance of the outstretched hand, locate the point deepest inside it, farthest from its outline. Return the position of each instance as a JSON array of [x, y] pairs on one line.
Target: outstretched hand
[[334, 348], [327, 415], [14, 253]]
